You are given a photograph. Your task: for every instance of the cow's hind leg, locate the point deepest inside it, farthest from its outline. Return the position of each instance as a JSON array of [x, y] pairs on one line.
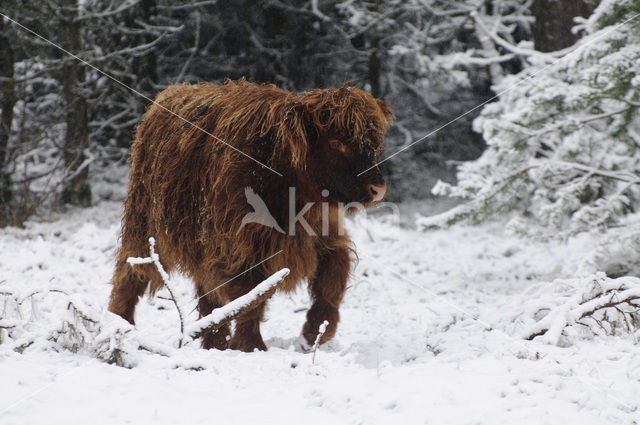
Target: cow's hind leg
[[128, 286], [246, 336], [219, 338]]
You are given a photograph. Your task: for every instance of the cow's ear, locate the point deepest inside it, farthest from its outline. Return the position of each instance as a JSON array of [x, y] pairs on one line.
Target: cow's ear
[[292, 135], [386, 111]]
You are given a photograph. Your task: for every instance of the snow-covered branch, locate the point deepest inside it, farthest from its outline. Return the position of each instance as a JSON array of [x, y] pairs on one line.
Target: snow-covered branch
[[316, 344], [619, 297], [89, 158], [573, 123], [469, 210], [105, 335], [124, 6], [188, 6], [140, 49], [220, 316], [628, 176], [543, 57], [154, 259], [240, 305]]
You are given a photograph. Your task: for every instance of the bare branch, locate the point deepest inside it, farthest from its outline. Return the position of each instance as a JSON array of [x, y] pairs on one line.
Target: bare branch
[[154, 258], [126, 5], [189, 5], [140, 49]]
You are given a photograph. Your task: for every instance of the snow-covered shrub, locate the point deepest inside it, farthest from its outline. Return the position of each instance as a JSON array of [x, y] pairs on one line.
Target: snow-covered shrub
[[51, 319], [563, 150], [566, 309], [616, 252]]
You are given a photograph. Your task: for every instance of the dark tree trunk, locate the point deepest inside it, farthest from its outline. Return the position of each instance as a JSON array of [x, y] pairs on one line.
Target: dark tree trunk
[[374, 68], [374, 64], [76, 189], [274, 20], [146, 65], [7, 102], [554, 20]]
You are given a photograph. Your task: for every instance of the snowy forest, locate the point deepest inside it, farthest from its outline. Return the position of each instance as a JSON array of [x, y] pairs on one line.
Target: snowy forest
[[504, 288]]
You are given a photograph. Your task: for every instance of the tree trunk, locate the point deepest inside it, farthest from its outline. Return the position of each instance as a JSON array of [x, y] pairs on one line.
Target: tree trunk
[[7, 102], [374, 68], [374, 64], [554, 20], [146, 65], [76, 189]]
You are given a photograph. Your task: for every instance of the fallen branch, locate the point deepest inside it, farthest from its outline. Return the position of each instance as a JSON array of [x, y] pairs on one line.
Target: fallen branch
[[249, 301], [604, 294]]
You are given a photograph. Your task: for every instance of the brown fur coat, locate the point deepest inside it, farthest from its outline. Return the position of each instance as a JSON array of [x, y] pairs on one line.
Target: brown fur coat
[[187, 189]]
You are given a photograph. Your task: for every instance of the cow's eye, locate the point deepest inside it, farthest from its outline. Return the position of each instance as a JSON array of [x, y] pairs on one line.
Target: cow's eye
[[338, 145]]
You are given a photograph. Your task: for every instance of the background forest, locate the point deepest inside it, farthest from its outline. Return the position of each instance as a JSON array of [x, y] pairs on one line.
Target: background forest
[[64, 122]]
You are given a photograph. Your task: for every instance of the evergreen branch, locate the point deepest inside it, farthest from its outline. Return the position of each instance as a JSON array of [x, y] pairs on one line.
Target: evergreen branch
[[624, 176]]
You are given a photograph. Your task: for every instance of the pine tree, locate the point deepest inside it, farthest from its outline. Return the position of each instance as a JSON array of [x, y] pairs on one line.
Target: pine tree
[[563, 151]]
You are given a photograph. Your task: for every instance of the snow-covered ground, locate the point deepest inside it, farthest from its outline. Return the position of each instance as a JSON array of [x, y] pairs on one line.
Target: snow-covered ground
[[432, 332]]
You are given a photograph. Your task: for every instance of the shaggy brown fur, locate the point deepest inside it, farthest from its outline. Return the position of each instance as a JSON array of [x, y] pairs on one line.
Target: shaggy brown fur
[[188, 191]]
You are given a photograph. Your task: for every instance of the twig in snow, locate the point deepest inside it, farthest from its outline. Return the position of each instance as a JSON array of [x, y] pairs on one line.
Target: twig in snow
[[155, 259], [321, 330], [5, 324]]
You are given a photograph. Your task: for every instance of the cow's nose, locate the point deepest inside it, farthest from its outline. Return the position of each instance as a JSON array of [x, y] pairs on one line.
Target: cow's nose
[[377, 191]]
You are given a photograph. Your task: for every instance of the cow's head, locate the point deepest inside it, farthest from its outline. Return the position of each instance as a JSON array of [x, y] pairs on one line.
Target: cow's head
[[345, 131]]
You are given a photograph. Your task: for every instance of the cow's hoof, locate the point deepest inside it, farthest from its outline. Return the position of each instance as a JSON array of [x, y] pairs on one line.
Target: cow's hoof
[[248, 346]]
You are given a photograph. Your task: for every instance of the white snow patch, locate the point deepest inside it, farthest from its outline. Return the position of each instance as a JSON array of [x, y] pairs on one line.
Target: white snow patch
[[431, 332]]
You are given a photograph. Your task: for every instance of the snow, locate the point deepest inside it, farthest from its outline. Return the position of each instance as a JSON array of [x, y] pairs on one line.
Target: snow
[[431, 332]]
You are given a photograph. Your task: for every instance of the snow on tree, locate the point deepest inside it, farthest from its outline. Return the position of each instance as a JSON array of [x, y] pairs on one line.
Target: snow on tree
[[563, 139], [66, 115]]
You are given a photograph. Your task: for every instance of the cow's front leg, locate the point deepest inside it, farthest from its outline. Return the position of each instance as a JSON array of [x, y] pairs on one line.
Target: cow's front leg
[[327, 288]]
